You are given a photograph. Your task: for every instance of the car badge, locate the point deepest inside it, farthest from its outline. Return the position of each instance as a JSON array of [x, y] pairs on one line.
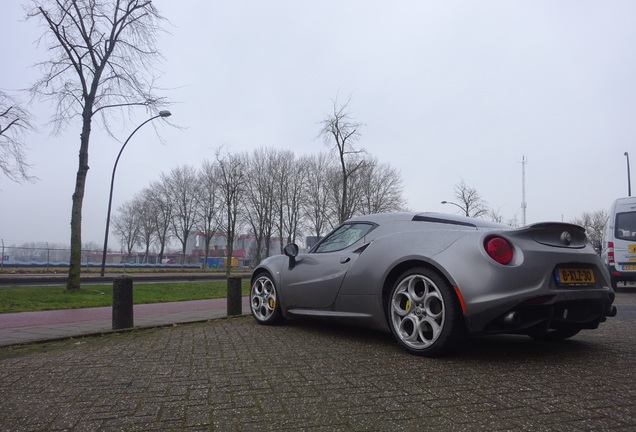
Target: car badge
[[566, 238]]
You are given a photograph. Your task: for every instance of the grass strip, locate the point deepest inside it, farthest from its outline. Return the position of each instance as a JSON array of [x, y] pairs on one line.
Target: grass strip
[[52, 297]]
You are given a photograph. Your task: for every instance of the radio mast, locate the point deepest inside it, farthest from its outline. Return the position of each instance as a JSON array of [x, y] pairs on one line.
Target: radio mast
[[524, 161]]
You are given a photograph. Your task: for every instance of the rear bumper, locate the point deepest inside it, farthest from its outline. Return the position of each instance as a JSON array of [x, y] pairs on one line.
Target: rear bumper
[[581, 308], [620, 275]]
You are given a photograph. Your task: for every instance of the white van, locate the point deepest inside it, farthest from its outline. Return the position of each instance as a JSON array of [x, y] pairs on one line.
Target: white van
[[619, 241]]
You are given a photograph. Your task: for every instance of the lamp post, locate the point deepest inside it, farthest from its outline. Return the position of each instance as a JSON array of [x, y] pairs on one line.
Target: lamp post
[[112, 183], [629, 180], [457, 205]]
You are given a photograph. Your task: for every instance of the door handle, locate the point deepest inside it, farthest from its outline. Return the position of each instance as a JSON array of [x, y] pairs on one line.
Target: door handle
[[344, 260]]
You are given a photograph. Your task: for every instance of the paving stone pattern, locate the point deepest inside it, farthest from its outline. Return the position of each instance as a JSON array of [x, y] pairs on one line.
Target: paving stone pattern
[[235, 375]]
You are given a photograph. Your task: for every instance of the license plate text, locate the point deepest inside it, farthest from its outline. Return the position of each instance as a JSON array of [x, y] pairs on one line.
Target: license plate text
[[574, 276]]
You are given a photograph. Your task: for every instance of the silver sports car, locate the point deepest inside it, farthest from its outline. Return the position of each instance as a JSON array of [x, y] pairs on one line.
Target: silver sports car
[[432, 279]]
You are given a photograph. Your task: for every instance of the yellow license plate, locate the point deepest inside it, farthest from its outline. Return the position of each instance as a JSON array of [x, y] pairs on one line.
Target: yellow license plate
[[629, 267], [575, 276]]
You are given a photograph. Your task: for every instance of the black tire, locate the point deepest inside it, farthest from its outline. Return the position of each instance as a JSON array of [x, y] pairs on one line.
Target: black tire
[[264, 302], [424, 314], [554, 335]]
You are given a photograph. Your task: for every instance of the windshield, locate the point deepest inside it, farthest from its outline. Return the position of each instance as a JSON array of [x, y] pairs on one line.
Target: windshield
[[343, 237], [625, 228]]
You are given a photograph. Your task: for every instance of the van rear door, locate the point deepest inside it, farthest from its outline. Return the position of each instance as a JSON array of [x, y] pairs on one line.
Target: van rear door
[[625, 240]]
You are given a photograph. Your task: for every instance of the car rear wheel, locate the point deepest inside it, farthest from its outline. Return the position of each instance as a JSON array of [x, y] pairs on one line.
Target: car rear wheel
[[424, 314], [264, 300]]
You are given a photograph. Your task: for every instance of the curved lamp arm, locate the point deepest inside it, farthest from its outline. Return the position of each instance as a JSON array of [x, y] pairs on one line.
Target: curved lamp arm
[[112, 184]]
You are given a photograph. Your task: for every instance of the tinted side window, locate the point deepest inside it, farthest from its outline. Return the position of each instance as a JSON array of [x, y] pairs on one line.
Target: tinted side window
[[343, 237], [625, 227]]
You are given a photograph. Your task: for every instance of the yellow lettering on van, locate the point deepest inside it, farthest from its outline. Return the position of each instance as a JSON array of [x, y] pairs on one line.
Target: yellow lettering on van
[[631, 248]]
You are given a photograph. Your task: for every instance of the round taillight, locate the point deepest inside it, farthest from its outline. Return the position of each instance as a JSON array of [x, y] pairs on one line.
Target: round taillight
[[499, 249]]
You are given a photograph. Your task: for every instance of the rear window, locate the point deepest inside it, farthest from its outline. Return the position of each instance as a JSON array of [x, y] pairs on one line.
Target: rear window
[[625, 227]]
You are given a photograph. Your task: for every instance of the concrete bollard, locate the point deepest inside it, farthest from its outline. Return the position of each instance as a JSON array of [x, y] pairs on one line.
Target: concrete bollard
[[122, 302], [234, 296]]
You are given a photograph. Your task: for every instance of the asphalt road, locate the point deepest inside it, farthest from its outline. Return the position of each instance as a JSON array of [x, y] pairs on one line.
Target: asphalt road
[[235, 375]]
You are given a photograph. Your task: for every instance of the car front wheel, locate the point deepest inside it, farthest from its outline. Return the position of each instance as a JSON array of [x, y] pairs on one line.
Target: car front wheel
[[424, 314], [264, 300]]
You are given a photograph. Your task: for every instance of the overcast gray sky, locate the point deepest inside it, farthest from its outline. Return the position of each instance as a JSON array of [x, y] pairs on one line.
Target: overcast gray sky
[[447, 90]]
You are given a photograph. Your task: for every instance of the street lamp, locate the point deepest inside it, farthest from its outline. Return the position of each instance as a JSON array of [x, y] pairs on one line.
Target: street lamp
[[629, 180], [457, 205], [112, 183]]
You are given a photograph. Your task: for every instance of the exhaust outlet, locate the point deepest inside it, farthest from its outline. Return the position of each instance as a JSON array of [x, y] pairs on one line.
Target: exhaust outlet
[[512, 319]]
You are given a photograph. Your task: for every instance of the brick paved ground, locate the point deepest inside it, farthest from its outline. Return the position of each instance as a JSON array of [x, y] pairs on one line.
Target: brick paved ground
[[234, 375]]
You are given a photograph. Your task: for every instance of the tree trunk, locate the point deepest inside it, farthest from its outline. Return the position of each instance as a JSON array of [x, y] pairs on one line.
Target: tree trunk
[[75, 264], [208, 240], [160, 257], [259, 247], [230, 252], [183, 253]]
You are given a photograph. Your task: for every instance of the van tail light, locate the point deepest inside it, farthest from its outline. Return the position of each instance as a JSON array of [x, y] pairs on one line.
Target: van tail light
[[610, 252], [499, 249]]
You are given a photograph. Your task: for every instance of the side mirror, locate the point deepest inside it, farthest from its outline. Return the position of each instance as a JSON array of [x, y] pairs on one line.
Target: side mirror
[[291, 250]]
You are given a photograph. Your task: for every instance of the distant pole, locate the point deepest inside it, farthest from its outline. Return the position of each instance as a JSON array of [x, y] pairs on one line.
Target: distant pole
[[112, 183], [629, 180]]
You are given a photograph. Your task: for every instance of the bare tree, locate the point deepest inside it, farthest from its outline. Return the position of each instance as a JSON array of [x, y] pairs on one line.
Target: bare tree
[[496, 216], [143, 206], [181, 187], [28, 251], [334, 185], [14, 122], [339, 131], [316, 209], [284, 165], [208, 206], [594, 223], [126, 226], [102, 55], [514, 221], [231, 179], [470, 200], [290, 175], [259, 198], [381, 188], [161, 210], [293, 197]]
